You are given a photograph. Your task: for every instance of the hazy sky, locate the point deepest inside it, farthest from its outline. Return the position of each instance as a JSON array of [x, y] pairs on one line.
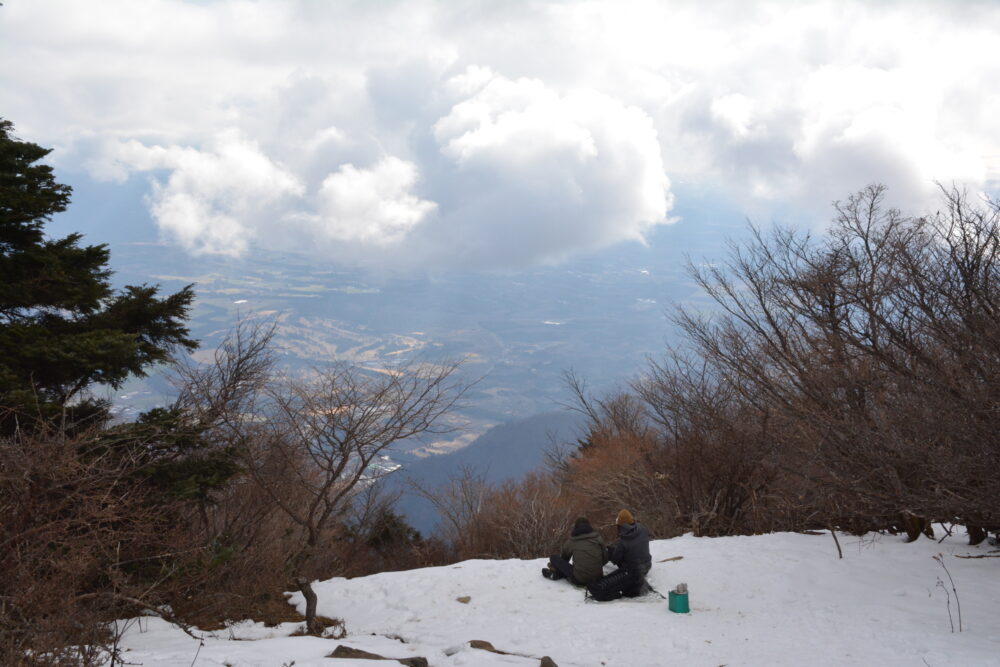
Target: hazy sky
[[495, 134]]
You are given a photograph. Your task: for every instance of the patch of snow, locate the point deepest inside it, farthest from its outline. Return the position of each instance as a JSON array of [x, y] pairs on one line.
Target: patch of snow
[[781, 599]]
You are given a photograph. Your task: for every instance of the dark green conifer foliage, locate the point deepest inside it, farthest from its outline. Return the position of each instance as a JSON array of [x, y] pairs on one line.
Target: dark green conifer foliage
[[63, 329]]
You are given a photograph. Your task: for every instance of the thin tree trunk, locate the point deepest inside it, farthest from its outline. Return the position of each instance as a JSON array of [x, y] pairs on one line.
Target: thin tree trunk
[[312, 626]]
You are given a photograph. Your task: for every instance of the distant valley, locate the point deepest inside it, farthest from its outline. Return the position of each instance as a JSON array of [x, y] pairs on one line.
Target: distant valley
[[517, 334]]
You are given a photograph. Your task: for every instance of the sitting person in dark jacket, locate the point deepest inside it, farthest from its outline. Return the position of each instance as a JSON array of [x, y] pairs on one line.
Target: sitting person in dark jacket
[[631, 554], [582, 558]]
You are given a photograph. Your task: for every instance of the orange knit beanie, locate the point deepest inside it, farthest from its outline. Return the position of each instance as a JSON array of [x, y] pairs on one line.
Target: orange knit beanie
[[625, 517]]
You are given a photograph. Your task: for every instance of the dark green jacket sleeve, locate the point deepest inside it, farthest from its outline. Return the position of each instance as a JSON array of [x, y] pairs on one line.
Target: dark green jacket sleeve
[[567, 549]]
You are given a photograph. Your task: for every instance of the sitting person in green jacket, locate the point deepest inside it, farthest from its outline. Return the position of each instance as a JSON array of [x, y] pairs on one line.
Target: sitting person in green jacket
[[582, 558]]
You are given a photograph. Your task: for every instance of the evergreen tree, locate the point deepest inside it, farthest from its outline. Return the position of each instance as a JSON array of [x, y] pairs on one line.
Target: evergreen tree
[[63, 329]]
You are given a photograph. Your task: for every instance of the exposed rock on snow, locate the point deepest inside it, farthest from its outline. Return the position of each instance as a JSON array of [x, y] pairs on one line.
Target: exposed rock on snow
[[358, 654], [485, 646]]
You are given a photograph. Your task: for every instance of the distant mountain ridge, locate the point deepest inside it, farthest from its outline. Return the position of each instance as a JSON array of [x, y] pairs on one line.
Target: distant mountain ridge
[[506, 451]]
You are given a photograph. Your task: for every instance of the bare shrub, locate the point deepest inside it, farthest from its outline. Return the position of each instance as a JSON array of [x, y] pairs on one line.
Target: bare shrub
[[877, 349], [211, 507], [373, 537], [82, 541], [461, 503], [846, 381], [528, 518]]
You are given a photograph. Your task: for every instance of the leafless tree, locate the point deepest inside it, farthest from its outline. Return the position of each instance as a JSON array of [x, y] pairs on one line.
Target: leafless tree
[[845, 380], [311, 448], [330, 431], [220, 395], [618, 413], [877, 346], [311, 443]]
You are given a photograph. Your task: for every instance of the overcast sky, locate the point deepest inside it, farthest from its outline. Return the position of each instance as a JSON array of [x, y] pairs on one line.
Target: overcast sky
[[498, 134]]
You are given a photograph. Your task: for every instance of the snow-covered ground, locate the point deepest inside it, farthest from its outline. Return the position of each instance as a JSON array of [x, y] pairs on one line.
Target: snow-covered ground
[[782, 599]]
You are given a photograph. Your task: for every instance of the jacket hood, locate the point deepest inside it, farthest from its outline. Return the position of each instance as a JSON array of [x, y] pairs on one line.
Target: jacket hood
[[584, 536], [628, 530]]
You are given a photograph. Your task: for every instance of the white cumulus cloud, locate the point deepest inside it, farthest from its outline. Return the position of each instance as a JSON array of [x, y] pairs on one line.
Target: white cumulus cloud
[[496, 134], [213, 199], [541, 174], [371, 205]]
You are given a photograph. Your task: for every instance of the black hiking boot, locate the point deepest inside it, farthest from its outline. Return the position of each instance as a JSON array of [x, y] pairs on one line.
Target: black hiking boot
[[547, 573]]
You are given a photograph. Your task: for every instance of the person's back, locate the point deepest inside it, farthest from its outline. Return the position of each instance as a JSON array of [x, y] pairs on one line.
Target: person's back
[[631, 551], [585, 550]]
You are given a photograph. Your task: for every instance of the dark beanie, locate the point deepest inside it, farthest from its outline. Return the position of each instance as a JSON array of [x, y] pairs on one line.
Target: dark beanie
[[581, 527]]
